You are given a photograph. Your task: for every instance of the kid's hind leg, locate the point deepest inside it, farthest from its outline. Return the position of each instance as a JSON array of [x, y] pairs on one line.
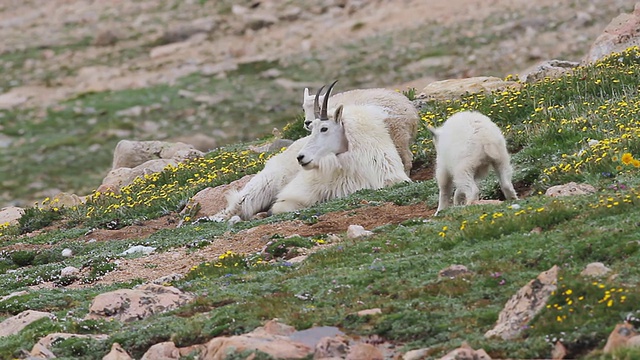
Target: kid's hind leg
[[445, 189]]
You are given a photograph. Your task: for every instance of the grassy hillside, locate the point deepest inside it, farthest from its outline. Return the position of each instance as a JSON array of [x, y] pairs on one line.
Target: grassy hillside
[[582, 127]]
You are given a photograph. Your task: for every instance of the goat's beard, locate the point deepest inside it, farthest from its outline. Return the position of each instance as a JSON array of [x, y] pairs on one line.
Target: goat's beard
[[329, 164]]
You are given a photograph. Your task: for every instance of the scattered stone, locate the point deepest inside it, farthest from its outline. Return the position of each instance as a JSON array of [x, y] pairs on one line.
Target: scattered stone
[[559, 351], [11, 215], [138, 249], [595, 269], [129, 154], [620, 336], [117, 353], [454, 271], [69, 271], [369, 312], [331, 347], [67, 252], [571, 188], [13, 294], [42, 349], [361, 351], [418, 354], [552, 69], [455, 88], [168, 279], [168, 351], [524, 305], [134, 304], [15, 324], [466, 352], [298, 259], [357, 231], [486, 202], [268, 339], [621, 33], [212, 200], [105, 38], [62, 200]]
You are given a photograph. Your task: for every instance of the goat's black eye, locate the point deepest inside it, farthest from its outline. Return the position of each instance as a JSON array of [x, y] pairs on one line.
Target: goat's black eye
[[324, 129]]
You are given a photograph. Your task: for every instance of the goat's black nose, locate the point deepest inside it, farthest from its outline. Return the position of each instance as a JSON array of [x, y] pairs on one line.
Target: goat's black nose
[[307, 123], [300, 158]]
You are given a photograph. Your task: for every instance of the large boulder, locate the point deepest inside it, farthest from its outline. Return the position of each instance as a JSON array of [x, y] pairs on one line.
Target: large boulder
[[272, 339], [11, 215], [621, 33], [15, 324], [551, 69], [135, 304], [455, 88], [42, 349], [124, 176], [130, 153], [212, 200]]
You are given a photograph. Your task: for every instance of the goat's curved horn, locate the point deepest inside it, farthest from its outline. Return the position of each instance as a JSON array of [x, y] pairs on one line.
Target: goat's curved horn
[[325, 105], [316, 106]]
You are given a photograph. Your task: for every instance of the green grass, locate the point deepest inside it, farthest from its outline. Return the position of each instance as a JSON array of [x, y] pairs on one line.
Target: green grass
[[548, 126]]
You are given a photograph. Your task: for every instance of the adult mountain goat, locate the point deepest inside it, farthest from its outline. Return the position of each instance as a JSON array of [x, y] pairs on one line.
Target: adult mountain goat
[[467, 145], [349, 152], [402, 117]]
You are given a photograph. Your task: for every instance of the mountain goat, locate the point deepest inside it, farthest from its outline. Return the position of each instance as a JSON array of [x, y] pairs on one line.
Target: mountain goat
[[402, 119], [467, 145], [350, 152]]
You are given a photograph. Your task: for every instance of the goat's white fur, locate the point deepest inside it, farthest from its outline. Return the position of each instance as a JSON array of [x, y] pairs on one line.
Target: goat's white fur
[[369, 160], [467, 145], [402, 119]]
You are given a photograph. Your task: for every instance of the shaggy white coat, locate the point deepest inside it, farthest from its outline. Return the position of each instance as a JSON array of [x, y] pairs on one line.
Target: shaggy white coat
[[467, 145], [402, 119], [371, 162], [260, 192]]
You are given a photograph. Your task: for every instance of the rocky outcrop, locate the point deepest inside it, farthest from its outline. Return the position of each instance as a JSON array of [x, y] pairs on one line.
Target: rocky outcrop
[[11, 215], [135, 304], [130, 153], [621, 33], [15, 324], [211, 201], [524, 305], [456, 88]]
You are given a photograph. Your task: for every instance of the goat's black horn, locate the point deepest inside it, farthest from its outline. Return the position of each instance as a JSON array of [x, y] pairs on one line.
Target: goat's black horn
[[316, 106], [325, 105]]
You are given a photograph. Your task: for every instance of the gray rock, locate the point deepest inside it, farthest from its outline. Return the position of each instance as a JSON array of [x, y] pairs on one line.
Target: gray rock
[[15, 324], [524, 305], [571, 188], [620, 34]]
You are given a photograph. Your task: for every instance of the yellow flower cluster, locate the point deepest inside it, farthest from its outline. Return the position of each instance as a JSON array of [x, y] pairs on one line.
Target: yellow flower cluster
[[4, 227], [154, 189], [571, 302]]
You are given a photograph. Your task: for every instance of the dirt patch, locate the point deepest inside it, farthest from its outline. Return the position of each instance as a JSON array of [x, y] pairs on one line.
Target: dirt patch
[[247, 241]]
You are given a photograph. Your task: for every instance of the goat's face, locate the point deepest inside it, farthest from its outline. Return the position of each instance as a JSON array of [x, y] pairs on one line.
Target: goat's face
[[308, 108], [327, 138]]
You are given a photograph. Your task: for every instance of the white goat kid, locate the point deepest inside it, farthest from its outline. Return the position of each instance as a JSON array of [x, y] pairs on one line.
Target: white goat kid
[[467, 145], [402, 116]]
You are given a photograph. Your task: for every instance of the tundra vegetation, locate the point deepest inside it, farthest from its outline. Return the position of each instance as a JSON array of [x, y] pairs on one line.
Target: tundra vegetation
[[549, 127]]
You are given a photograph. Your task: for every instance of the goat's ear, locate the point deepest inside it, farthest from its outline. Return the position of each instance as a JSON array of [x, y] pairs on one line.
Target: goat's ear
[[306, 94], [337, 115]]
